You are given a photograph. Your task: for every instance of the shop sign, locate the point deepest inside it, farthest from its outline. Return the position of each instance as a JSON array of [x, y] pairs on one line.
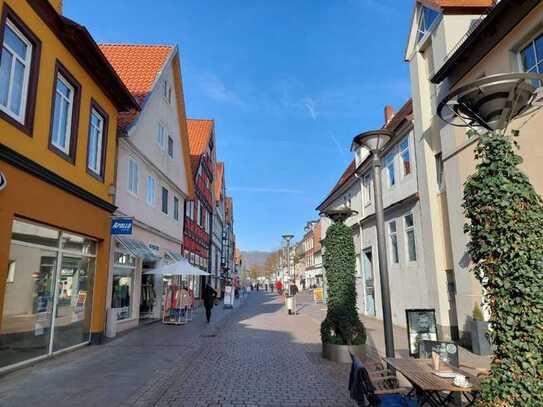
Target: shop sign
[[121, 226], [3, 181]]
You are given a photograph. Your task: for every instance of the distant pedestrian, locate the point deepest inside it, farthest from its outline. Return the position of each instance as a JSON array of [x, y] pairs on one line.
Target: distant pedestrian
[[279, 287], [209, 300], [257, 287]]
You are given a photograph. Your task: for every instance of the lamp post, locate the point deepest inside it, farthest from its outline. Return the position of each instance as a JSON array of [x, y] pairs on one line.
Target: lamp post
[[374, 141], [287, 239]]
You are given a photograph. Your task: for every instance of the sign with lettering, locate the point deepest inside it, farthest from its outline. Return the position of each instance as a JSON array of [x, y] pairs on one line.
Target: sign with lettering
[[3, 181], [121, 226]]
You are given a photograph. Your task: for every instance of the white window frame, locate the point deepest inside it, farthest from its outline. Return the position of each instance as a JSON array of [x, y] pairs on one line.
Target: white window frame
[[527, 44], [150, 194], [132, 163], [400, 152], [390, 235], [367, 187], [408, 229], [99, 147], [161, 136], [68, 138], [27, 63], [162, 189], [390, 158], [188, 210], [168, 146], [175, 208]]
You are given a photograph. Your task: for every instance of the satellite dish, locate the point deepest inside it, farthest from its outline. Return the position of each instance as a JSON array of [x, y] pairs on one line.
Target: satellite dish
[[493, 101]]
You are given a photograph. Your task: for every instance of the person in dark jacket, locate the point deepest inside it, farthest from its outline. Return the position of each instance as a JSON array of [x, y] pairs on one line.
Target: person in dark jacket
[[209, 300]]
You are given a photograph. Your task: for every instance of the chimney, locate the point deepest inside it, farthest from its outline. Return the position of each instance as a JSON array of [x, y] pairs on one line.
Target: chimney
[[57, 5], [389, 114]]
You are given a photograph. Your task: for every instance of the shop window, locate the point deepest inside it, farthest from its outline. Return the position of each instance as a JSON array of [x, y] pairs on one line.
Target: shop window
[[124, 268], [46, 308]]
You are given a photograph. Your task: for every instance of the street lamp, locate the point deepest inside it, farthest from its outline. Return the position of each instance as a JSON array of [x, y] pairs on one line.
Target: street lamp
[[493, 101], [287, 239], [374, 141]]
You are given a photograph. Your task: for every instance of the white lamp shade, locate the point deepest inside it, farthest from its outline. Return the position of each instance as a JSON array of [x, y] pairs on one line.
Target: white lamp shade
[[373, 140]]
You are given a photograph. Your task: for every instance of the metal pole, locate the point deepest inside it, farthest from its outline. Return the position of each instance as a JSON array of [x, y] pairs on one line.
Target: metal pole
[[382, 251]]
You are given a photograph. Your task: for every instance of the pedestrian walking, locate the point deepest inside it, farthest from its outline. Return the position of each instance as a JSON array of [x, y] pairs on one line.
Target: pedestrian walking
[[291, 299], [209, 300]]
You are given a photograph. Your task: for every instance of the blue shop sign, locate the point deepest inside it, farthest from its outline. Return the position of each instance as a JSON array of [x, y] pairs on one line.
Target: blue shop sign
[[121, 226]]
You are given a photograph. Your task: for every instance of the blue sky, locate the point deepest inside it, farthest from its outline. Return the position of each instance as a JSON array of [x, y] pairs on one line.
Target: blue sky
[[288, 82]]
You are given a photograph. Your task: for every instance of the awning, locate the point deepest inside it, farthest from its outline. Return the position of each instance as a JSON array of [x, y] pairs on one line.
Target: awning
[[137, 248], [174, 256], [179, 268]]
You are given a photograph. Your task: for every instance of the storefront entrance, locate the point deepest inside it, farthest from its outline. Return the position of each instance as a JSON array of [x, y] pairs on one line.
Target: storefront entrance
[[48, 294]]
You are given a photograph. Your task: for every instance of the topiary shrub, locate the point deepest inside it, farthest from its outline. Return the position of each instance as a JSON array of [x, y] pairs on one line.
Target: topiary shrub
[[505, 221], [342, 325]]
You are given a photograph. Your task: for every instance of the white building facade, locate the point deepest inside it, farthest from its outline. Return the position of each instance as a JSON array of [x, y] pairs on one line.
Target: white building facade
[[153, 182]]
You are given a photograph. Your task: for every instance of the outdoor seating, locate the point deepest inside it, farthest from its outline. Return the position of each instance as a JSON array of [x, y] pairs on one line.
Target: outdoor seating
[[376, 388]]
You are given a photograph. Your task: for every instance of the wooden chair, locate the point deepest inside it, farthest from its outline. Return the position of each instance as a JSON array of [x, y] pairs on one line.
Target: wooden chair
[[379, 387]]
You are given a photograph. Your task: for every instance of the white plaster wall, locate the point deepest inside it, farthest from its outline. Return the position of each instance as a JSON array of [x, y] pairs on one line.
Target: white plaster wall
[[135, 205], [144, 133], [407, 280]]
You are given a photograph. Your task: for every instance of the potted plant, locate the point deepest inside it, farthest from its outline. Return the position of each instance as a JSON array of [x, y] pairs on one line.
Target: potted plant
[[480, 343], [342, 331]]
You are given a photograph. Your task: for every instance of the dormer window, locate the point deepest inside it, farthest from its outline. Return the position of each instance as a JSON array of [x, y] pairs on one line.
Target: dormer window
[[426, 19]]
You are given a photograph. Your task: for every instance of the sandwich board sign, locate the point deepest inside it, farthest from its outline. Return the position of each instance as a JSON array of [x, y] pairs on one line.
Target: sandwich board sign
[[121, 226]]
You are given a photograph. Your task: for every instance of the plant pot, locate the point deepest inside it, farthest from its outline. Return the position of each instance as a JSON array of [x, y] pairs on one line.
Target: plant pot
[[341, 353], [480, 343]]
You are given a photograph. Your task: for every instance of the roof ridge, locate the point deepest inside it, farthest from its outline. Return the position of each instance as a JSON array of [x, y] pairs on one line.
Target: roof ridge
[[201, 120], [123, 44]]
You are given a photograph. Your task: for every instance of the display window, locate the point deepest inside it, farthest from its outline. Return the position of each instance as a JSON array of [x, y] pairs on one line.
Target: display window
[[48, 295], [124, 270]]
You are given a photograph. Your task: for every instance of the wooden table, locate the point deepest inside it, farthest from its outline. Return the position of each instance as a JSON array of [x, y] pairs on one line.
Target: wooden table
[[428, 386]]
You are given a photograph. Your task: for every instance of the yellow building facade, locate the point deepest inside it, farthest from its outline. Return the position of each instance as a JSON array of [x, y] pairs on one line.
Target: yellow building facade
[[59, 100]]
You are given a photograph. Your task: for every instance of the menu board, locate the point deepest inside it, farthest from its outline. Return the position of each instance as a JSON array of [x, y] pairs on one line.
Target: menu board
[[448, 351], [421, 325]]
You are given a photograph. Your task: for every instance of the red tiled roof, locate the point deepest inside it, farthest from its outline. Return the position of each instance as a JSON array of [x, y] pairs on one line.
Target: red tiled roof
[[458, 4], [199, 134], [228, 209], [137, 65], [405, 113], [219, 173], [199, 131], [348, 173]]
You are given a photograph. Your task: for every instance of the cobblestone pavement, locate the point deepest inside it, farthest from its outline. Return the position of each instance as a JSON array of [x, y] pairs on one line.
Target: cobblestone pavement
[[255, 355]]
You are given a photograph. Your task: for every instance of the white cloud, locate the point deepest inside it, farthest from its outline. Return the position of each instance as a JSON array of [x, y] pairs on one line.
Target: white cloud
[[214, 88]]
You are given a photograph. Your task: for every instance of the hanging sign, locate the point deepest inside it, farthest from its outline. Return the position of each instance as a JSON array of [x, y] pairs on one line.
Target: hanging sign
[[121, 226], [3, 181]]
